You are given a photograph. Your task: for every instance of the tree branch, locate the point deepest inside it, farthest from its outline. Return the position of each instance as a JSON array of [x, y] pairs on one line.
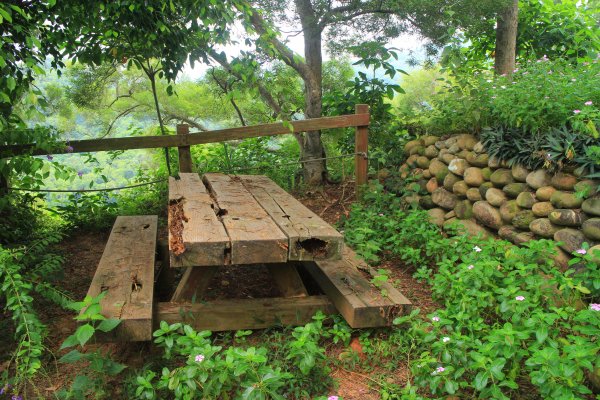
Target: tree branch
[[225, 88], [284, 52], [172, 116], [262, 90], [121, 114]]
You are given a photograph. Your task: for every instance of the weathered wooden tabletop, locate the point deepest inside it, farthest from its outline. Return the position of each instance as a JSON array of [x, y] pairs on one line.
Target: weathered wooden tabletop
[[243, 219]]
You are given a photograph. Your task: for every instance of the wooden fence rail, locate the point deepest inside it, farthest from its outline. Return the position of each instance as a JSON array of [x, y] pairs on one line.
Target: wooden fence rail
[[184, 139]]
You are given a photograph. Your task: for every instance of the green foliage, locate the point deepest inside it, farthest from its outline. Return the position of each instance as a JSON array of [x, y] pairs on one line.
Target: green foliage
[[93, 379], [560, 90], [566, 29], [509, 321], [201, 369], [375, 87], [24, 271]]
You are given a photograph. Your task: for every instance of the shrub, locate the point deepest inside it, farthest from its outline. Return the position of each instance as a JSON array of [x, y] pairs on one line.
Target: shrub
[[509, 321]]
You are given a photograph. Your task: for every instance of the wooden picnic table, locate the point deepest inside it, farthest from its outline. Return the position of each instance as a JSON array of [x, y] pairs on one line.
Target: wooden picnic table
[[243, 219]]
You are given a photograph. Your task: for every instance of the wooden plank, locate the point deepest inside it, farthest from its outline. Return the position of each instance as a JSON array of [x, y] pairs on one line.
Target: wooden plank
[[235, 314], [193, 284], [255, 238], [361, 148], [359, 301], [126, 271], [202, 235], [220, 135], [287, 279], [185, 155], [310, 238]]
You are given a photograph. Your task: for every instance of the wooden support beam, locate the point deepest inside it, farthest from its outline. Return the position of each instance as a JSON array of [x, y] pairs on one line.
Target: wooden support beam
[[361, 148], [185, 155], [193, 284], [236, 314], [216, 136], [165, 278], [287, 279]]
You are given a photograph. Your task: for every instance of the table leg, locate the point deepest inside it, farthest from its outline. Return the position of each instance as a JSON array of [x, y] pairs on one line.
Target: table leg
[[193, 284], [287, 279]]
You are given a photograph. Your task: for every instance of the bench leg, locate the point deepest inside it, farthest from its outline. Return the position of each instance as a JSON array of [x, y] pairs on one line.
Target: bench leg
[[193, 284]]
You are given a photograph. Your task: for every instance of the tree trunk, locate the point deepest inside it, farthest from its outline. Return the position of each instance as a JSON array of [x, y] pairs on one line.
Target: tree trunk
[[506, 39], [311, 145]]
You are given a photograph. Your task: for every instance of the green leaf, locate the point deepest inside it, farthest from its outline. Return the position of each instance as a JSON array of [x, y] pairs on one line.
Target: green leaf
[[541, 334], [481, 380], [108, 324], [69, 342], [71, 357], [84, 333], [81, 383]]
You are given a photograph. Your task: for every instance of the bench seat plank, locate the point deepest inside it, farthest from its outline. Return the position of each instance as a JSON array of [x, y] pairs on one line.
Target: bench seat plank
[[255, 238], [310, 237], [126, 272], [361, 303]]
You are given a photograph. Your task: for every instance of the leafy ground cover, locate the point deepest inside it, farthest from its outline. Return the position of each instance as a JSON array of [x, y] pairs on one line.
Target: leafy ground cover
[[493, 321]]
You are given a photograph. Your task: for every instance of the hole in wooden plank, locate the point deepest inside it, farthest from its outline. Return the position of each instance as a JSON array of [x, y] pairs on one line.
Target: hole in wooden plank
[[146, 226], [235, 218], [316, 247], [176, 220], [104, 288], [136, 285], [221, 212]]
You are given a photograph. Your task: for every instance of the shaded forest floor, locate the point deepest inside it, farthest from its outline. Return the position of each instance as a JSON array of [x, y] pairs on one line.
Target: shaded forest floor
[[82, 252]]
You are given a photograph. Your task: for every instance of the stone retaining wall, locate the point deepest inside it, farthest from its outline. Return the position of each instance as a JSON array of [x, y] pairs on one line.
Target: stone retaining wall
[[488, 197]]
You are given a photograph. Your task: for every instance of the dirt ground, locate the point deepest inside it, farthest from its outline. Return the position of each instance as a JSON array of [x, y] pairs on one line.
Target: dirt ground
[[82, 252]]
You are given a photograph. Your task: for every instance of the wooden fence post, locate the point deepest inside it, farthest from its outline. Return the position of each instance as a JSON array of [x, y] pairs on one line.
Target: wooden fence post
[[185, 155], [361, 147]]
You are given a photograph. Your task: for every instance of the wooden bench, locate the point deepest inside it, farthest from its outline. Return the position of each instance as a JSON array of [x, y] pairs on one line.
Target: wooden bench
[[126, 272], [363, 305]]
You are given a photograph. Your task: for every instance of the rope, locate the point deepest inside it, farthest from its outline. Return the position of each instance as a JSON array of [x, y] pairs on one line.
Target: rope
[[87, 190], [363, 154]]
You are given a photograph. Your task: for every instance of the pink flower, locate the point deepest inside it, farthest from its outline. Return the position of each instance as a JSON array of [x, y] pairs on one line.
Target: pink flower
[[80, 173], [199, 358], [477, 249], [595, 307], [438, 370], [581, 251], [471, 266], [588, 103], [445, 339], [576, 111], [435, 319], [381, 214], [332, 398], [49, 157], [69, 149], [519, 298]]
